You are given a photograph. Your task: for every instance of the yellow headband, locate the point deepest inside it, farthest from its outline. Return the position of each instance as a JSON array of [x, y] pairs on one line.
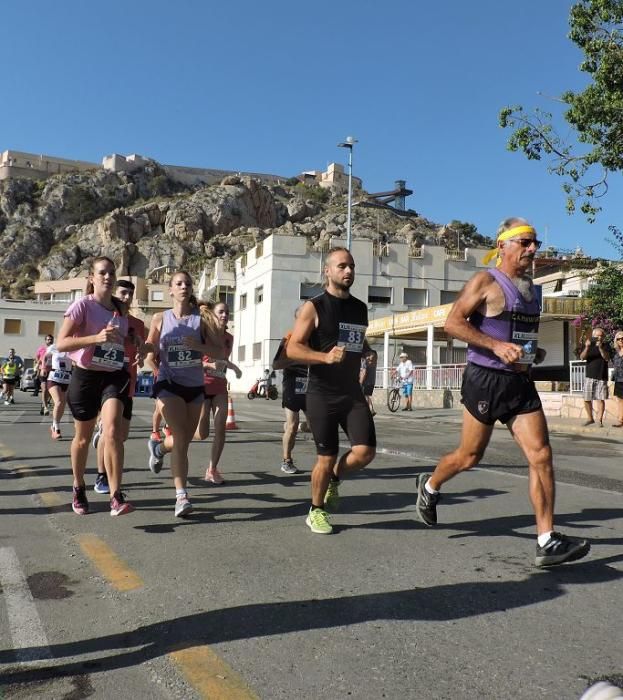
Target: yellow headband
[[504, 236]]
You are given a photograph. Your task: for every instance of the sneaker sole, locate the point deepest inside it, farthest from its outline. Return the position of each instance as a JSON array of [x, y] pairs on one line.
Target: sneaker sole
[[155, 468], [574, 555], [79, 511], [309, 524], [127, 508], [417, 505], [183, 512], [102, 491], [289, 471]]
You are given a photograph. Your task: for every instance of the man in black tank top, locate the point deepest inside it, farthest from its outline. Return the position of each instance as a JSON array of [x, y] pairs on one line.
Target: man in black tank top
[[328, 336]]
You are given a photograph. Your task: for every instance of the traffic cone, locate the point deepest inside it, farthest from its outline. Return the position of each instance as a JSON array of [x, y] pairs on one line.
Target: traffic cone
[[230, 424]]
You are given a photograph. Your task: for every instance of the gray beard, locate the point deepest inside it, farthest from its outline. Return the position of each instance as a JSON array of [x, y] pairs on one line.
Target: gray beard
[[523, 284]]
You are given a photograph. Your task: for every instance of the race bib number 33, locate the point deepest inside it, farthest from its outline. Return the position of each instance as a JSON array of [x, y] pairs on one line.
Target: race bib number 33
[[351, 336]]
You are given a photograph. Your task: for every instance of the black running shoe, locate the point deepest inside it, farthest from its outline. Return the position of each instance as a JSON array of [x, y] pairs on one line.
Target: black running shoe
[[560, 549], [426, 504]]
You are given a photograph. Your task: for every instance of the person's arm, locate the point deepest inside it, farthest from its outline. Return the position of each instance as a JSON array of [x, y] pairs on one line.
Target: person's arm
[[587, 347], [604, 349], [153, 341], [67, 342], [280, 360], [298, 347], [212, 344], [478, 292]]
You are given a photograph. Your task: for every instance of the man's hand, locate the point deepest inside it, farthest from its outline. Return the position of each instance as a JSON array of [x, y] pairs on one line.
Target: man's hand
[[508, 352], [335, 356], [587, 343]]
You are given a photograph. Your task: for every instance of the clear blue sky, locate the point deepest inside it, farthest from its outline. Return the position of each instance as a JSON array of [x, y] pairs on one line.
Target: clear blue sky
[[272, 87]]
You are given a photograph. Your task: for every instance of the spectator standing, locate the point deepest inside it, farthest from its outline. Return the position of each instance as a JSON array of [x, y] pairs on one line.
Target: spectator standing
[[617, 361], [404, 371], [597, 353]]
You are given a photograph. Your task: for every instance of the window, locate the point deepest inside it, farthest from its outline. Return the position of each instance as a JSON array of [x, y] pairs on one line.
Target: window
[[259, 294], [243, 302], [46, 328], [448, 297], [380, 295], [257, 351], [558, 287], [12, 326], [416, 297], [310, 290], [157, 295], [241, 353], [259, 249]]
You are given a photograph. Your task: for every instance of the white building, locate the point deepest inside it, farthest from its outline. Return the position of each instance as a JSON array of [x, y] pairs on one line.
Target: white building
[[25, 324], [276, 276]]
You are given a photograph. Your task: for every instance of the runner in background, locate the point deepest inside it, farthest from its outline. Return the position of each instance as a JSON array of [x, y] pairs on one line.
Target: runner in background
[[57, 382], [132, 359], [216, 393], [294, 388]]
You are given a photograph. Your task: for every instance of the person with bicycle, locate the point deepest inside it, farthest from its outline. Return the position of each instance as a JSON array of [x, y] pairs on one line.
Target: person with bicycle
[[404, 372]]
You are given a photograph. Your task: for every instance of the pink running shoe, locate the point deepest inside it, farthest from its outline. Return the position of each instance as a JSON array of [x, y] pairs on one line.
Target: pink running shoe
[[215, 477], [80, 504], [119, 506]]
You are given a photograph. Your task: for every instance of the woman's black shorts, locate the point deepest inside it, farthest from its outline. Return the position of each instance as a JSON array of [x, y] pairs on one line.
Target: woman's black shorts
[[89, 388]]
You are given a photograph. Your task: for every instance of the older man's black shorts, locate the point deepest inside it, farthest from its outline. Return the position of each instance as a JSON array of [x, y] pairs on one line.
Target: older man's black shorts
[[327, 413], [491, 394]]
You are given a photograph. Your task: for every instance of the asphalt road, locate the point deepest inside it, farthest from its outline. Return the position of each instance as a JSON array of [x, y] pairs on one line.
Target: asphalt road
[[241, 600]]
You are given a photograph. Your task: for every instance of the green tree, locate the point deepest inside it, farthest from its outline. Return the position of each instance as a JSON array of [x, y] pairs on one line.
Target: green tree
[[595, 114], [606, 295]]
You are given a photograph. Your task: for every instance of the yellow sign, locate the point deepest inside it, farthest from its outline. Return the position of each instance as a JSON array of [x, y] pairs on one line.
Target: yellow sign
[[410, 320]]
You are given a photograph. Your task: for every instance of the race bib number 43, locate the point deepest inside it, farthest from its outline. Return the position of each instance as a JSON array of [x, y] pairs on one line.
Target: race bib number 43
[[351, 337]]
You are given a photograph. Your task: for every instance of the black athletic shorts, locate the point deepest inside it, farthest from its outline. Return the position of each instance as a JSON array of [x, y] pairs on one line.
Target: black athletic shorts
[[88, 389], [128, 405], [491, 394], [326, 413], [190, 394], [291, 400]]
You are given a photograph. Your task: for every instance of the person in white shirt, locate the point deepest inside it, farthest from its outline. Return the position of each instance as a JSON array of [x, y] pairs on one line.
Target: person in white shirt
[[404, 371]]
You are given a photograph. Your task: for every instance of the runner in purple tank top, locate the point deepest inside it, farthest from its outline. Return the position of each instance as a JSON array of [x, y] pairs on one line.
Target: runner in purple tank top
[[181, 338], [497, 315]]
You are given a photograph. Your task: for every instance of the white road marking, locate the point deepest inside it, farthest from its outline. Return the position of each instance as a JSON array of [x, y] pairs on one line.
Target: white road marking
[[11, 417], [29, 640]]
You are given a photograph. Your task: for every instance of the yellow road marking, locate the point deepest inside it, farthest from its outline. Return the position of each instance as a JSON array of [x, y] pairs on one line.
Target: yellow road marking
[[118, 573], [210, 675], [24, 470], [51, 499]]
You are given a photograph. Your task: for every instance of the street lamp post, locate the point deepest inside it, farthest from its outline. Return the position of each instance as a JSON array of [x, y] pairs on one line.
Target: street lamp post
[[349, 143]]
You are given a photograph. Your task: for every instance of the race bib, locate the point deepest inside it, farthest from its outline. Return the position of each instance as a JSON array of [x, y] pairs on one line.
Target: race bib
[[179, 356], [300, 385], [109, 355], [60, 376], [351, 337], [528, 342], [210, 372]]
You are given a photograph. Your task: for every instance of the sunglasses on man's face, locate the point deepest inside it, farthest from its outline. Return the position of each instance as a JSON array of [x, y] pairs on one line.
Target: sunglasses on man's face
[[526, 242]]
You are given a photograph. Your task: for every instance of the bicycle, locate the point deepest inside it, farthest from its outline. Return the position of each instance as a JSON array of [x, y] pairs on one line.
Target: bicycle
[[393, 396]]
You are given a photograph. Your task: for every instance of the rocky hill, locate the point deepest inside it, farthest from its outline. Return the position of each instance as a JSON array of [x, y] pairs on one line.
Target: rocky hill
[[51, 229]]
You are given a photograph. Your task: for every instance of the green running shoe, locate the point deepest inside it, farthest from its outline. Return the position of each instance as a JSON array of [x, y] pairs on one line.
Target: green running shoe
[[332, 497], [318, 522]]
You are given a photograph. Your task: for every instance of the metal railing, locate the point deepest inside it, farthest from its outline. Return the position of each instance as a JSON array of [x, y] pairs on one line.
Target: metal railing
[[456, 255], [425, 377], [577, 372], [416, 252]]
